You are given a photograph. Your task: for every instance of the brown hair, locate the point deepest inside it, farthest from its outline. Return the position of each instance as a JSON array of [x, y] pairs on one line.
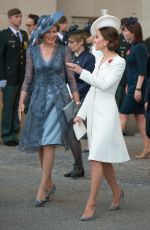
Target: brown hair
[[136, 29], [111, 35], [62, 20], [78, 36]]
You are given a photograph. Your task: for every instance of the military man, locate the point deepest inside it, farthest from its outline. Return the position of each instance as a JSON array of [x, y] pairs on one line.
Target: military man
[[13, 44]]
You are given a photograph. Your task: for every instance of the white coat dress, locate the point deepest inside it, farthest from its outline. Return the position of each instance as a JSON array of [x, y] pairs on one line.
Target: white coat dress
[[106, 142]]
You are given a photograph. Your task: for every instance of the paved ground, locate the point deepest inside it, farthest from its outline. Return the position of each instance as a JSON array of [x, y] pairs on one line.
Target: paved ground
[[20, 175]]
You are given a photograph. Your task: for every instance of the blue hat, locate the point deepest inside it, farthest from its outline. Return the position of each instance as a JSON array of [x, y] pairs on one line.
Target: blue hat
[[131, 20], [45, 22]]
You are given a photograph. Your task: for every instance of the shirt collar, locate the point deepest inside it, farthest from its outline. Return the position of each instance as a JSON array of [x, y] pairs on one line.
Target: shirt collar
[[14, 30]]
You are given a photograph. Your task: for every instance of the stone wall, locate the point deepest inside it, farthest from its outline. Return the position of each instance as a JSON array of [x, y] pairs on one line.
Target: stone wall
[[33, 6], [81, 9]]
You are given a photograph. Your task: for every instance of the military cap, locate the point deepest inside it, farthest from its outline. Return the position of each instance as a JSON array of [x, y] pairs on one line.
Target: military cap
[[13, 12]]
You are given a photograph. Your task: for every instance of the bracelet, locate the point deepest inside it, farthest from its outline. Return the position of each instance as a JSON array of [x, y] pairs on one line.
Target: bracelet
[[138, 89]]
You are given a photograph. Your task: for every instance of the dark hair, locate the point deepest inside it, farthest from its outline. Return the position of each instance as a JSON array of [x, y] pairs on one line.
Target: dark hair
[[136, 29], [78, 35], [111, 35], [34, 17], [62, 20]]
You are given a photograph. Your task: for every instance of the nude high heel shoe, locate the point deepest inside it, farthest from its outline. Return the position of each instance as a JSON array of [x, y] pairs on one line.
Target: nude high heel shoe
[[143, 155], [118, 206]]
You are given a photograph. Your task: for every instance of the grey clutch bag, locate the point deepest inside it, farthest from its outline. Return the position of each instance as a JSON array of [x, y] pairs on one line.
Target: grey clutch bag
[[71, 110]]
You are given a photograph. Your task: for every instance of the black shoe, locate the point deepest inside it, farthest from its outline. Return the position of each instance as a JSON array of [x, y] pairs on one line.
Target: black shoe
[[17, 142], [10, 143], [85, 150], [75, 173], [128, 134]]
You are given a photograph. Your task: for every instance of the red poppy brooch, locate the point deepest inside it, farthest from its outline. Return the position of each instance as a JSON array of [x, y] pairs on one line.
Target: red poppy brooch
[[110, 60]]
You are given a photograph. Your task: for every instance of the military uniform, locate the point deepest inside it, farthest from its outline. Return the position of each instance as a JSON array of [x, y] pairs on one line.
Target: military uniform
[[12, 69], [122, 50]]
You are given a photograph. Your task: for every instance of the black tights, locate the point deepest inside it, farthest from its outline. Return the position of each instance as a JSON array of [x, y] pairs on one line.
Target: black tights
[[75, 147]]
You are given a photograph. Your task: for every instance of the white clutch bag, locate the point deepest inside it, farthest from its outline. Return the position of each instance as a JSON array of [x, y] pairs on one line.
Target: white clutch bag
[[80, 130]]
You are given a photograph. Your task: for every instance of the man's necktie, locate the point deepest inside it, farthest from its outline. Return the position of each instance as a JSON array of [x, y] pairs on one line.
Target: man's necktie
[[18, 37]]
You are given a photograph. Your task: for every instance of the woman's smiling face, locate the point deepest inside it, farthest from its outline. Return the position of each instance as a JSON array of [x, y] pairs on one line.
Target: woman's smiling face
[[51, 35]]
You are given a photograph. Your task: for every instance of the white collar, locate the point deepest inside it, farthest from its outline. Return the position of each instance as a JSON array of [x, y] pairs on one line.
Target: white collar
[[60, 35], [14, 30]]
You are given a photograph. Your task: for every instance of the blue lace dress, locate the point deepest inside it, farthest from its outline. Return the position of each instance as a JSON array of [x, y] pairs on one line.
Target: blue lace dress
[[45, 123]]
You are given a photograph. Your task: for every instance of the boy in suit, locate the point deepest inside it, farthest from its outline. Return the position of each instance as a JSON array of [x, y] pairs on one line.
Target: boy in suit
[[13, 44]]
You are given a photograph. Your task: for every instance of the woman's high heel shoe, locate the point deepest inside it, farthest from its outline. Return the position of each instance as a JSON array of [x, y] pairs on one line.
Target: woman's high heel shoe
[[39, 203], [143, 155], [88, 218], [50, 194], [117, 206]]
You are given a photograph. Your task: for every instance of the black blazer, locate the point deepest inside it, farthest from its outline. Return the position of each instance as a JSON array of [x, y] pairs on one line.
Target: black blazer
[[12, 56]]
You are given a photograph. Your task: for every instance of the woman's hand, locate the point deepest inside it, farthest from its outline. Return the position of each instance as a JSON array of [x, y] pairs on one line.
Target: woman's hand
[[126, 89], [77, 120], [137, 95], [21, 110], [146, 106], [74, 67]]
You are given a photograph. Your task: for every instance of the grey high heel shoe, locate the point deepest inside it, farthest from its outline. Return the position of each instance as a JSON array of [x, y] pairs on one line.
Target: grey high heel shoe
[[88, 218], [50, 194], [39, 203], [118, 206]]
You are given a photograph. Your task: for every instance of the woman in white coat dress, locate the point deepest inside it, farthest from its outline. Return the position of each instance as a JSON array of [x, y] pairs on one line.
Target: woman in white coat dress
[[106, 142]]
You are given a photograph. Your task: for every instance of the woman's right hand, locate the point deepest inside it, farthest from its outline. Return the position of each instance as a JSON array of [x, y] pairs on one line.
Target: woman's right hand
[[77, 120], [20, 110]]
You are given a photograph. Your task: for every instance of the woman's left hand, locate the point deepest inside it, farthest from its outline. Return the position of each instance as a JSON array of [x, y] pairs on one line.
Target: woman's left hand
[[137, 95], [74, 67], [77, 120]]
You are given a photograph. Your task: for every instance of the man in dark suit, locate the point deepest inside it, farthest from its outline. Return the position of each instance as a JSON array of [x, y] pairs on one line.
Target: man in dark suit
[[62, 31], [13, 44]]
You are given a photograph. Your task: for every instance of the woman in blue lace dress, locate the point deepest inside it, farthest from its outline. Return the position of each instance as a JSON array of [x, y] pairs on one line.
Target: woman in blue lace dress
[[45, 124]]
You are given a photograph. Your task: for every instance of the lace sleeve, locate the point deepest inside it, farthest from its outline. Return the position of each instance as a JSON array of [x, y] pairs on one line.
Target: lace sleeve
[[69, 74], [28, 73]]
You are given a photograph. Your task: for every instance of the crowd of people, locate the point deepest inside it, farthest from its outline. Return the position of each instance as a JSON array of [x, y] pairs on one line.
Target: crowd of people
[[107, 74]]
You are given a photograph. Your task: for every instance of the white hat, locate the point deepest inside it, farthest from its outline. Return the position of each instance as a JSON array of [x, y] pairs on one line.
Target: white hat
[[105, 21], [104, 12]]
